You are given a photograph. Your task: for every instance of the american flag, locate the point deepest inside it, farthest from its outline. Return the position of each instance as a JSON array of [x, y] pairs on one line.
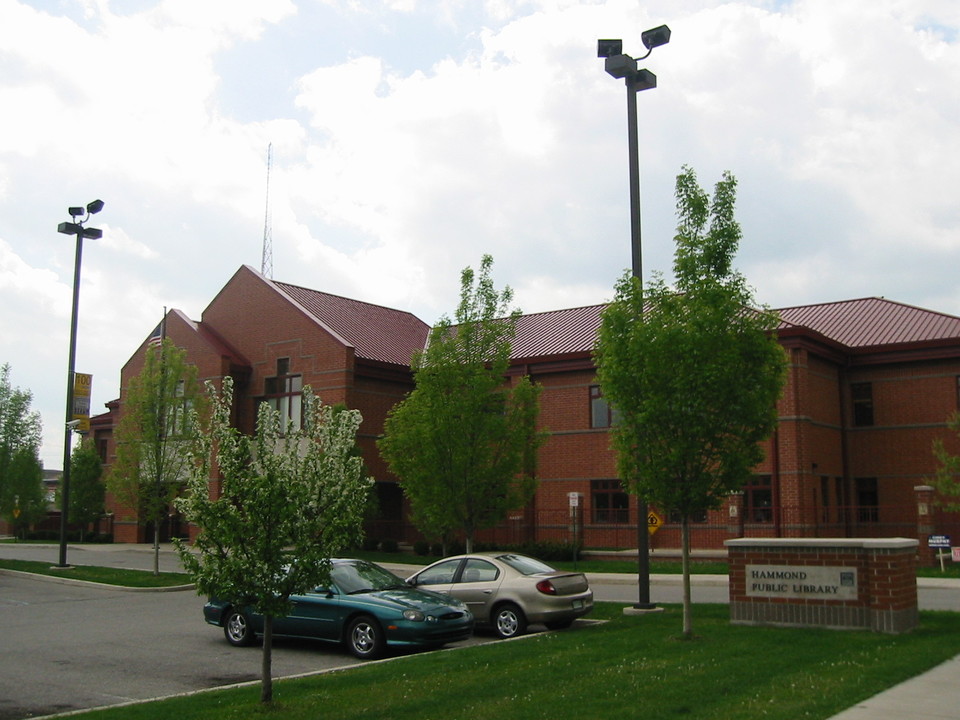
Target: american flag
[[156, 337]]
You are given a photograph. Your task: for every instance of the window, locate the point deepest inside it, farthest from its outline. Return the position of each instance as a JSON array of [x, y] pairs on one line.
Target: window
[[284, 394], [178, 414], [675, 518], [825, 496], [439, 574], [475, 570], [868, 499], [758, 499], [862, 394], [610, 502], [601, 414]]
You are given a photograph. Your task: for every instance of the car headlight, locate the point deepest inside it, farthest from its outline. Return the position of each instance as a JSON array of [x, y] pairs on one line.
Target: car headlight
[[413, 615]]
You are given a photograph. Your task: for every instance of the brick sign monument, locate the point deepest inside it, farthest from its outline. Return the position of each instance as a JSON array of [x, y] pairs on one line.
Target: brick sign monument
[[844, 583]]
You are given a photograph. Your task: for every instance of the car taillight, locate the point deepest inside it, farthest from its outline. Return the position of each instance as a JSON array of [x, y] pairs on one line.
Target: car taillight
[[546, 587]]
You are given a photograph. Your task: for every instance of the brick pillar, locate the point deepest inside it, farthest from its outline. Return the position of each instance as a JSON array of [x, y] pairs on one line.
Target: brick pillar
[[926, 556], [735, 514]]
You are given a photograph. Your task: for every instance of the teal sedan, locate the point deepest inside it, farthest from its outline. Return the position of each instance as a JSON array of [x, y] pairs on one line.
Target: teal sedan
[[366, 607]]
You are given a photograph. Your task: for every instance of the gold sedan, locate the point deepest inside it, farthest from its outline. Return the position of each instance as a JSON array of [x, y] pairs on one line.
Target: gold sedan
[[508, 591]]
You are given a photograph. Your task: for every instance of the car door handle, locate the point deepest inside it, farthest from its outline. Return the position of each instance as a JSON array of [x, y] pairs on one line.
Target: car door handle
[[488, 592]]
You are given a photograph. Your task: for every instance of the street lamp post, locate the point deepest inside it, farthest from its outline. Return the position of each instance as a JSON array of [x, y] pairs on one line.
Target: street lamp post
[[73, 228], [623, 66]]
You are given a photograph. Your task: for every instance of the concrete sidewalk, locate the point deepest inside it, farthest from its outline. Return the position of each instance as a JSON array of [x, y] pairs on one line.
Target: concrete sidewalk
[[933, 695]]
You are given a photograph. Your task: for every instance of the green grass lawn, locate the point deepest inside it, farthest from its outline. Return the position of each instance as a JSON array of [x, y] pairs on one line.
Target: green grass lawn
[[632, 667], [107, 576]]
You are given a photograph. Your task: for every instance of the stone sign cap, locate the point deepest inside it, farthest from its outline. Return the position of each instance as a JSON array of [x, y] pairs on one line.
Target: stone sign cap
[[865, 543]]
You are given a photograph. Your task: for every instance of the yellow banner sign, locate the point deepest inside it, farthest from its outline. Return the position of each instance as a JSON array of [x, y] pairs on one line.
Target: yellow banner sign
[[82, 385]]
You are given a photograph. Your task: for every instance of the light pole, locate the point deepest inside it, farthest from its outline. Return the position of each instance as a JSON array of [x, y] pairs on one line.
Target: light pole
[[623, 66], [73, 228]]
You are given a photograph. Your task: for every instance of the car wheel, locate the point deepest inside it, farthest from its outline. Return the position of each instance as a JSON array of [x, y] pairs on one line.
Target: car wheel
[[559, 624], [509, 621], [365, 639], [237, 629]]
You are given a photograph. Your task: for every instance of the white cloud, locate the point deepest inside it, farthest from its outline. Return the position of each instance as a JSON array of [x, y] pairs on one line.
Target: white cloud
[[412, 136]]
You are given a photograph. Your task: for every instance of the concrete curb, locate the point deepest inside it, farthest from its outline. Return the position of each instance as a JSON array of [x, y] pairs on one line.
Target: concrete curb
[[89, 583]]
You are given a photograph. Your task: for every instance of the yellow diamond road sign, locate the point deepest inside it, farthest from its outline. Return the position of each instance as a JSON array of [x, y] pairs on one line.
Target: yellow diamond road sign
[[654, 522]]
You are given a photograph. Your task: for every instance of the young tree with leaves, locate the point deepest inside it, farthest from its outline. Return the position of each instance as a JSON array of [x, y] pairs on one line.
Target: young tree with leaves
[[947, 478], [87, 489], [153, 435], [694, 371], [463, 444], [28, 503], [290, 500], [20, 431]]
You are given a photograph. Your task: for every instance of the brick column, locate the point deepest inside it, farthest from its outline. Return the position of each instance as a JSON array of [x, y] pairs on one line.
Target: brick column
[[926, 556]]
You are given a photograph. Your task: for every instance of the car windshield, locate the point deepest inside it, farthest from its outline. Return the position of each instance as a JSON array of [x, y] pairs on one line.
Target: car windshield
[[361, 576], [525, 565]]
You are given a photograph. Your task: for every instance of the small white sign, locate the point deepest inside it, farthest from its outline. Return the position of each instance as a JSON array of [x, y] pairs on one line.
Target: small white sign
[[574, 499], [802, 581]]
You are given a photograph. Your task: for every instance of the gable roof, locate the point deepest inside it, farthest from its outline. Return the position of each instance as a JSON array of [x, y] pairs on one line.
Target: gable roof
[[375, 332]]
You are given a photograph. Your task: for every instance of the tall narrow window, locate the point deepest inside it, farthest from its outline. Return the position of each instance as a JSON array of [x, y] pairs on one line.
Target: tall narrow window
[[283, 392], [868, 499], [610, 502], [825, 498], [601, 414], [862, 395], [758, 499]]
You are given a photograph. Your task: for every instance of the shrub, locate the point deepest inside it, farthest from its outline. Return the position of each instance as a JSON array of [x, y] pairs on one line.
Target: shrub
[[421, 547], [389, 546]]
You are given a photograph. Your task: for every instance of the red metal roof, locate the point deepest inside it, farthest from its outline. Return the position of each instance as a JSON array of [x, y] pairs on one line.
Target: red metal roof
[[873, 322], [375, 332], [864, 323], [558, 332], [391, 336]]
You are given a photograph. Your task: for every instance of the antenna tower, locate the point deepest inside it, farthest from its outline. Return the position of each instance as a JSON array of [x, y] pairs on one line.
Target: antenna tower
[[266, 260]]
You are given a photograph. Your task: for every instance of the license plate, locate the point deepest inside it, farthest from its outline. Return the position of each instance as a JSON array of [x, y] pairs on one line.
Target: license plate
[[577, 604]]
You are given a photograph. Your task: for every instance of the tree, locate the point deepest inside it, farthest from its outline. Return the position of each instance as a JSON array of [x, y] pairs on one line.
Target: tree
[[463, 443], [28, 499], [153, 434], [20, 431], [694, 371], [290, 500], [947, 478], [86, 485]]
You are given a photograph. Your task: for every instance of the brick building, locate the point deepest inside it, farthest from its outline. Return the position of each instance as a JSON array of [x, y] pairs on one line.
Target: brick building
[[871, 384]]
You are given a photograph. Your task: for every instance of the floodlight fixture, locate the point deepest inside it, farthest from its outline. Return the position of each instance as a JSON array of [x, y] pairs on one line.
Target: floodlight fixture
[[655, 37], [620, 66], [69, 228], [644, 80], [92, 233], [97, 205], [609, 48], [75, 211]]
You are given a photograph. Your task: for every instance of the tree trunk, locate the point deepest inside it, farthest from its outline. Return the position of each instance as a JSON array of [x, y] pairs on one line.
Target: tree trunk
[[685, 552], [156, 547], [266, 671]]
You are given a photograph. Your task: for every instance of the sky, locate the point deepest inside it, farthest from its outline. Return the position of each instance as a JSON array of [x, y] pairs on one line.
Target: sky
[[408, 138]]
